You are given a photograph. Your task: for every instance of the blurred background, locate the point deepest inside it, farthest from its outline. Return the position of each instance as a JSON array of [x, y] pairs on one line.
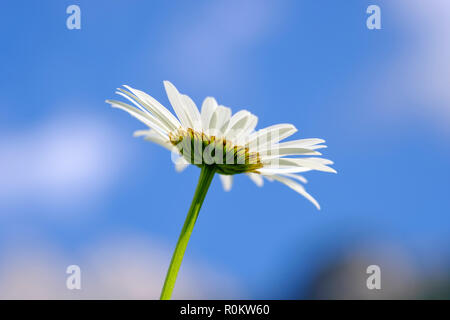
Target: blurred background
[[77, 188]]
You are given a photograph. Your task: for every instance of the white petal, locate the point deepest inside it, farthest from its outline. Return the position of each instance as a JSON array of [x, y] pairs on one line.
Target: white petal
[[134, 100], [249, 128], [296, 187], [270, 135], [149, 132], [277, 151], [256, 178], [154, 107], [311, 163], [241, 124], [192, 112], [316, 164], [154, 136], [178, 105], [140, 115], [296, 176], [312, 144], [227, 181], [181, 164], [282, 170], [141, 133], [219, 121], [208, 107], [237, 122]]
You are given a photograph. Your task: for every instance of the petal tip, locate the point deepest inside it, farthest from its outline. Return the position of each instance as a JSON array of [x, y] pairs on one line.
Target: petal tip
[[167, 83]]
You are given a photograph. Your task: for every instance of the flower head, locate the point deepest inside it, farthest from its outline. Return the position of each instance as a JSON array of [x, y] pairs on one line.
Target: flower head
[[229, 143]]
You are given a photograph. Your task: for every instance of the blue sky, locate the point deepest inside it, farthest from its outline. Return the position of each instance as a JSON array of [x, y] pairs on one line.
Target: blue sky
[[73, 175]]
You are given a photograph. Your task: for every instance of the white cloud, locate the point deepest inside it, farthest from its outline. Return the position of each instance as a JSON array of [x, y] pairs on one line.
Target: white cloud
[[65, 162], [117, 268], [418, 75]]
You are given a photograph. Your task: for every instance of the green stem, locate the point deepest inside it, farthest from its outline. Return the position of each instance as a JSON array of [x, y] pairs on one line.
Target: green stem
[[206, 176]]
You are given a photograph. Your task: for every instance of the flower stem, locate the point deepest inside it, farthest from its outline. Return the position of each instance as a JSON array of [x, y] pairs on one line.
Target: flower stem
[[206, 176]]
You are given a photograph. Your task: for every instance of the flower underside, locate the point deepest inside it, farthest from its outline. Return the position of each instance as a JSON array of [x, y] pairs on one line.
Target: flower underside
[[201, 149]]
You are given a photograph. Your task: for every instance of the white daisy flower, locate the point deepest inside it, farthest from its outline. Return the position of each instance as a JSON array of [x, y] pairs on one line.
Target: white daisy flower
[[222, 143], [228, 142]]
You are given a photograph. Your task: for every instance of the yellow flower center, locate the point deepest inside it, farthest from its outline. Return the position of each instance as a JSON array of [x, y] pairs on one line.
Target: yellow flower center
[[200, 149]]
